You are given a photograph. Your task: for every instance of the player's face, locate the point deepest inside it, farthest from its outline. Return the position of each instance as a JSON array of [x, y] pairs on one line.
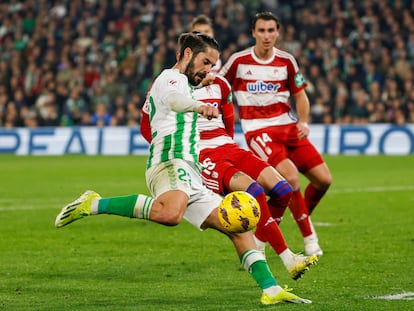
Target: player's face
[[204, 29], [266, 34], [200, 65]]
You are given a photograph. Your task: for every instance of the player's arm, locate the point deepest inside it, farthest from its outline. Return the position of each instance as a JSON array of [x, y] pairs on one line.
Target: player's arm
[[302, 109], [226, 106], [181, 103], [145, 127], [228, 118]]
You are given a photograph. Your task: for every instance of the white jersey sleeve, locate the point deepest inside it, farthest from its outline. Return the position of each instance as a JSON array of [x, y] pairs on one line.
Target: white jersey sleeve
[[175, 134]]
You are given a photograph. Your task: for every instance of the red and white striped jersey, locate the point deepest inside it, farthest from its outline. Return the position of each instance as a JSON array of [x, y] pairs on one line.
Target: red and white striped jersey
[[262, 88], [217, 131]]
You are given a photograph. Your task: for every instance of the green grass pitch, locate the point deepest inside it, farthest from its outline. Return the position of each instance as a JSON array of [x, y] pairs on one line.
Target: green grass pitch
[[365, 225]]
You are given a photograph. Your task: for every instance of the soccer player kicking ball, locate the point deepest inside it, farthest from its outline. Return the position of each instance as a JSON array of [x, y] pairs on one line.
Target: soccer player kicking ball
[[228, 167], [173, 171]]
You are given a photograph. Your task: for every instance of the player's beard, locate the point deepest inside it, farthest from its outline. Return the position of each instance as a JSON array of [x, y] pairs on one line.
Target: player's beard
[[194, 78]]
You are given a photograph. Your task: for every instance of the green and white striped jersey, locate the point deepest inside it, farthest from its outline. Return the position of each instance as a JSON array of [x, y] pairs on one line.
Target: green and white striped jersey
[[174, 134]]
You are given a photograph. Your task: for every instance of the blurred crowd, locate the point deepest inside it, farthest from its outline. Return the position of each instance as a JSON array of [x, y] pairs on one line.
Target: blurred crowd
[[90, 62]]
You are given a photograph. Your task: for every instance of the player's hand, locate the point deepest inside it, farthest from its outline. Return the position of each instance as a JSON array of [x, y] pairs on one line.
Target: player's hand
[[208, 79], [303, 129], [208, 111]]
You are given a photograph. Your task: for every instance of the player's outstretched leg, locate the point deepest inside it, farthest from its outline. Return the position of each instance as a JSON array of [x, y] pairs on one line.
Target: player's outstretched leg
[[77, 209]]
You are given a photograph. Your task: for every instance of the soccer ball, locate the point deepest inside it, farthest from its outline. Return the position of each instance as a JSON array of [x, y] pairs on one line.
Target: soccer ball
[[239, 212]]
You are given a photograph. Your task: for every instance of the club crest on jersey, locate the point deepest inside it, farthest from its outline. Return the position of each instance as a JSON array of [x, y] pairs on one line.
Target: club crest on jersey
[[299, 79], [262, 87], [173, 82]]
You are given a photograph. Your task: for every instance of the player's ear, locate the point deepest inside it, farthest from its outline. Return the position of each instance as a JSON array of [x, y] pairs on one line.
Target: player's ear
[[188, 53]]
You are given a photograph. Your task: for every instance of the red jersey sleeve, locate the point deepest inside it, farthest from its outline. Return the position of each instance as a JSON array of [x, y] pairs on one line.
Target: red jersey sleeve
[[226, 105], [145, 127], [228, 118], [296, 80]]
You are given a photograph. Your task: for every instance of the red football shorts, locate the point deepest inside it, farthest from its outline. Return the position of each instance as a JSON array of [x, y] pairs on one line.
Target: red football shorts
[[277, 143], [221, 163]]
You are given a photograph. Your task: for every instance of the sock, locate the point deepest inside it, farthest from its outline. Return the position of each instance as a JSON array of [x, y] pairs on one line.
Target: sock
[[286, 257], [312, 197], [276, 212], [273, 290], [280, 196], [300, 213], [313, 238], [267, 229], [133, 206], [255, 263]]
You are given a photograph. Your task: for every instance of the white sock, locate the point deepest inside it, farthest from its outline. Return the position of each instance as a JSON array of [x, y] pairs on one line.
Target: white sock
[[286, 256], [272, 290], [94, 206], [313, 238]]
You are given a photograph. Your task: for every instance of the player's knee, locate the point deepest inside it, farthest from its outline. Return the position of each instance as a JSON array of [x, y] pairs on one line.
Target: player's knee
[[168, 213], [327, 181], [170, 218], [294, 181], [324, 182]]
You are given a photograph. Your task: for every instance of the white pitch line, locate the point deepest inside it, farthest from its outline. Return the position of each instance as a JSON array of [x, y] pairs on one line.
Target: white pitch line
[[24, 208], [12, 204], [323, 224], [402, 296], [41, 203], [373, 189]]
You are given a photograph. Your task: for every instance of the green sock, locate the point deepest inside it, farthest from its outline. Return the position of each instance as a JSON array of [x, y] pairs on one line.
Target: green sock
[[122, 206], [262, 275], [133, 206], [255, 262]]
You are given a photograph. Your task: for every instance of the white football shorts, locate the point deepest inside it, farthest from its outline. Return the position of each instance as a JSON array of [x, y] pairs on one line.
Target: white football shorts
[[177, 174]]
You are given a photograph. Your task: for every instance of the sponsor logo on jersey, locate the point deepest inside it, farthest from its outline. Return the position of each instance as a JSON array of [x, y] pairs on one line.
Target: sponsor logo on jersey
[[262, 87]]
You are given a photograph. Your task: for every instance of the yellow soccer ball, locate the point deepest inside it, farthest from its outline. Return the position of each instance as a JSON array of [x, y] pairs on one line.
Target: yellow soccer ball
[[239, 212]]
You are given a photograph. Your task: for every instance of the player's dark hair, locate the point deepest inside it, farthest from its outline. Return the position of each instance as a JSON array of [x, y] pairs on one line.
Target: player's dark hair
[[201, 20], [197, 42], [267, 16]]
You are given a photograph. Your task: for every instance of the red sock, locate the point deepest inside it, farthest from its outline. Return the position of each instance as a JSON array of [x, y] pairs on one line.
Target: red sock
[[267, 229], [280, 196], [300, 213], [276, 211], [312, 197]]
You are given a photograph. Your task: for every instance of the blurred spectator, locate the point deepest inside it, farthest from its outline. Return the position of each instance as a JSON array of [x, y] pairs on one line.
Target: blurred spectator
[[73, 109], [101, 116], [98, 95], [358, 111], [32, 81], [91, 76], [98, 51]]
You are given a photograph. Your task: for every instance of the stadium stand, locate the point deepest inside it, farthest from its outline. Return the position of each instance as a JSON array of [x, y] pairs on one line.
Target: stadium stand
[[90, 62]]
